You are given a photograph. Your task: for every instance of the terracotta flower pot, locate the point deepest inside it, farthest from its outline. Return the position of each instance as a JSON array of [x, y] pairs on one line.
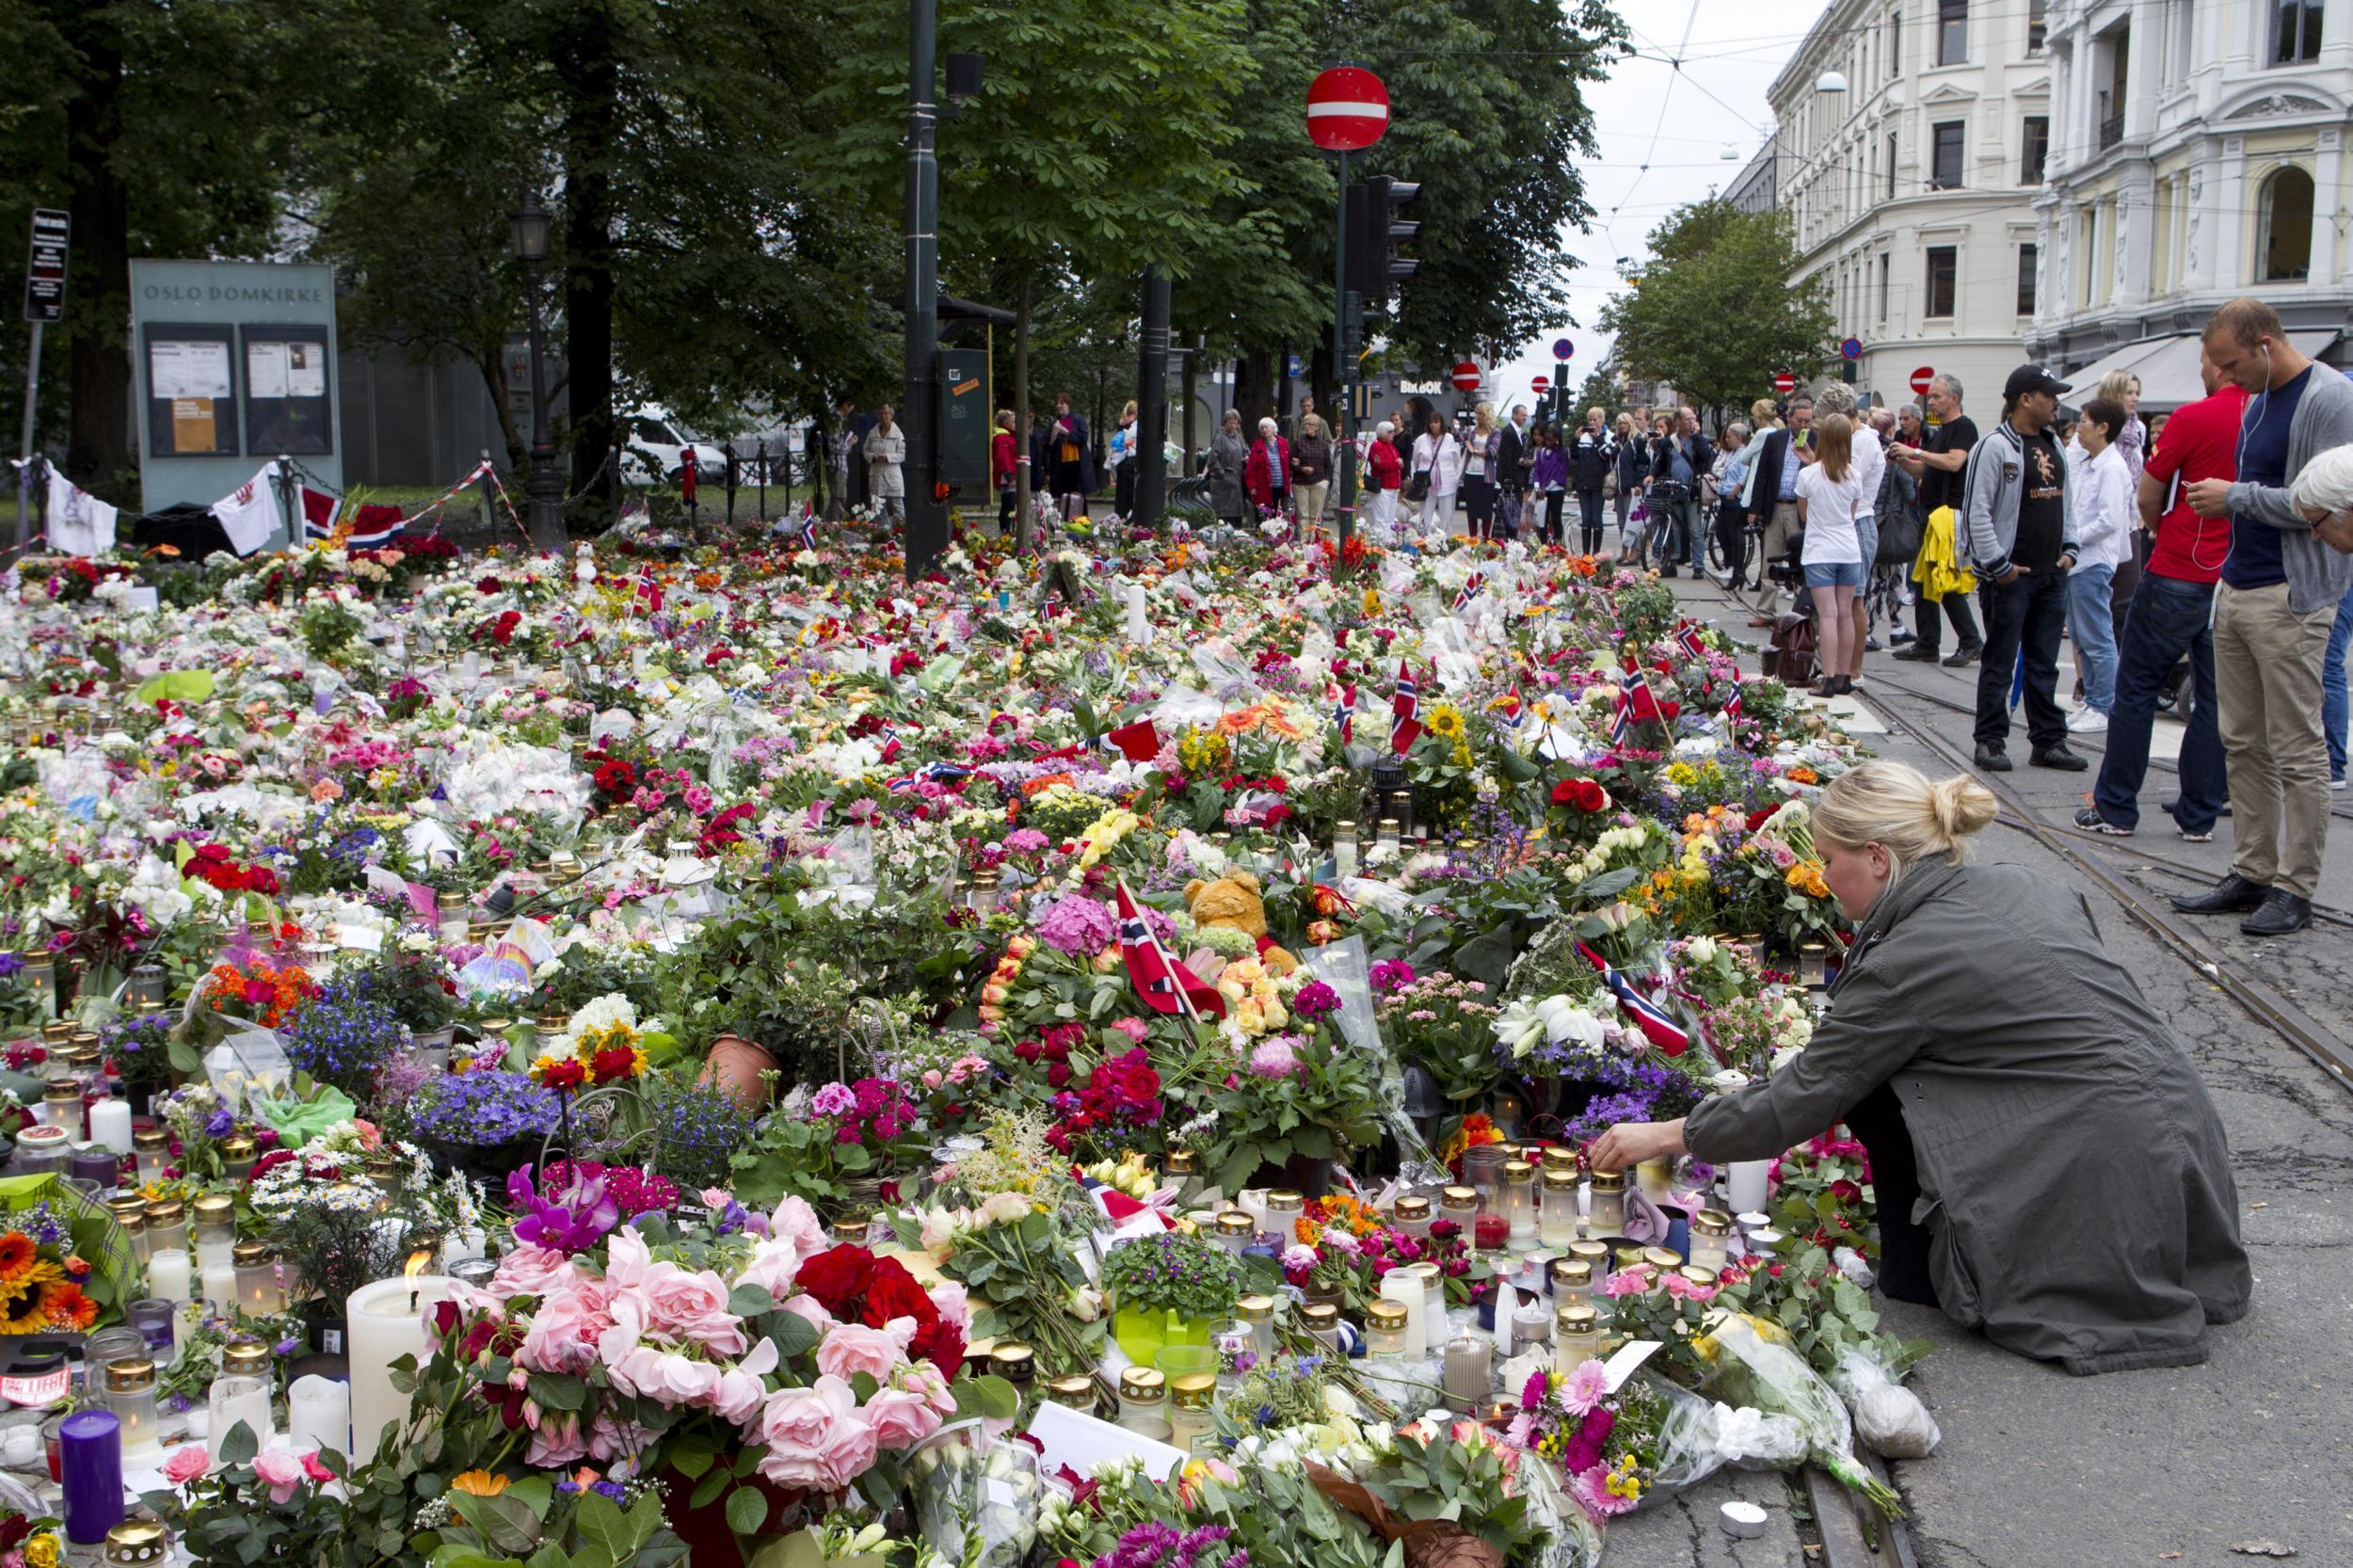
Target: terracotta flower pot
[[735, 1065]]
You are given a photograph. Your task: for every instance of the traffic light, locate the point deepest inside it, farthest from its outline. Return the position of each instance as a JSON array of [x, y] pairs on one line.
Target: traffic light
[[1375, 231]]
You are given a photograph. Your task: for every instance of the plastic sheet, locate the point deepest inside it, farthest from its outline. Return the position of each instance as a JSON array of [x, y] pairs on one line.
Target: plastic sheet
[[1346, 967], [1889, 1417], [1777, 1381], [1698, 1437]]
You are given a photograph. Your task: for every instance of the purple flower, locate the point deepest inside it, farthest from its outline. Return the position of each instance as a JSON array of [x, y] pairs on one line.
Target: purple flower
[[576, 1220], [1275, 1058], [1316, 1000], [834, 1099], [1392, 975], [1076, 926], [220, 1124]]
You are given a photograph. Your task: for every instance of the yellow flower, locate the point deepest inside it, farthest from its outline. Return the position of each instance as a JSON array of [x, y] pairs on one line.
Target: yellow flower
[[1446, 720], [41, 1551], [479, 1483]]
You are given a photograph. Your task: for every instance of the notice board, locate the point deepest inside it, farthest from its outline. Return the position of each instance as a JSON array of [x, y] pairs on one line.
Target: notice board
[[235, 364]]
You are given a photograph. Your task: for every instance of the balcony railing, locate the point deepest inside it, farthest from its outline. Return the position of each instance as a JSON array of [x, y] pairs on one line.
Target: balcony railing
[[2111, 131]]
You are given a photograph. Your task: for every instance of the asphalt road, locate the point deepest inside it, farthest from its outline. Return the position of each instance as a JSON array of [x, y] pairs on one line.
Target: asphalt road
[[2039, 1469]]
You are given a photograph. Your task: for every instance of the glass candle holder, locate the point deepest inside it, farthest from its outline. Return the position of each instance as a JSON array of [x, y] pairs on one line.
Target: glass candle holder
[[1385, 1331], [1711, 1239], [1284, 1210], [153, 1148], [98, 1166], [1531, 1326], [1576, 1338], [240, 1393], [258, 1294], [1468, 1378], [1144, 1402], [1192, 1422], [1236, 1230], [1482, 1166], [215, 1230], [1557, 1214], [238, 1153], [1608, 1216], [1460, 1205], [1016, 1363], [1076, 1391], [1411, 1217], [1258, 1313], [152, 1316], [1519, 1204], [61, 1107], [1572, 1283], [1322, 1323], [167, 1225], [42, 1149], [149, 988], [130, 1393]]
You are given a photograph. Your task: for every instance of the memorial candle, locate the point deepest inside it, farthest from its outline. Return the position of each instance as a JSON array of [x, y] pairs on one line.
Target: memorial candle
[[90, 1449]]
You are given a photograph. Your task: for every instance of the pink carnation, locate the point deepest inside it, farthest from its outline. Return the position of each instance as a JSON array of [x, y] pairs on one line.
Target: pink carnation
[[1626, 1281]]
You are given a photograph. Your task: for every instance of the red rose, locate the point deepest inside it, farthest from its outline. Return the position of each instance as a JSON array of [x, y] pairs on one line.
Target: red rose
[[939, 1342], [894, 1293], [614, 1063], [837, 1276]]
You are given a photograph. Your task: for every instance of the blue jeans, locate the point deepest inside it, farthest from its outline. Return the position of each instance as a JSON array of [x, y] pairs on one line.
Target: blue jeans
[[2168, 618], [2092, 623], [2332, 693]]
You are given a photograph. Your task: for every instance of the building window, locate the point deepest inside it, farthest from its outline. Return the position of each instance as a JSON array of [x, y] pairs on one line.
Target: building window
[[1942, 272], [2026, 280], [1886, 270], [1895, 44], [1952, 32], [2036, 25], [1891, 166], [2294, 32], [1945, 168], [2286, 210], [2037, 150], [2183, 16]]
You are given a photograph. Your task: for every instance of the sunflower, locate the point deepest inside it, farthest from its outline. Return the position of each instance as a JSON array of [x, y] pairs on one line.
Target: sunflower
[[25, 1307], [17, 1257], [1446, 721]]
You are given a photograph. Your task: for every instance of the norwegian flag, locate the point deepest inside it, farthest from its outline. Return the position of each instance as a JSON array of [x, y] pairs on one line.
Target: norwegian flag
[[1514, 711], [1731, 711], [1687, 638], [1621, 720], [1344, 714], [809, 526], [1469, 590], [1642, 701], [1165, 985], [1117, 1207], [650, 592], [1405, 707], [1661, 1030], [890, 736]]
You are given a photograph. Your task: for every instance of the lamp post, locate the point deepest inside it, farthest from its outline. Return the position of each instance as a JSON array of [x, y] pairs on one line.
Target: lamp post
[[544, 487]]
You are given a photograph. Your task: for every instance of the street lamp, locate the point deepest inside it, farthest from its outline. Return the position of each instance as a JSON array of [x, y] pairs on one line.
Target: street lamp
[[529, 225]]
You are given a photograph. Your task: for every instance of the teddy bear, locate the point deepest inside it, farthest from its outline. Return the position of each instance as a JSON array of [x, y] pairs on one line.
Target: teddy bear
[[1232, 901]]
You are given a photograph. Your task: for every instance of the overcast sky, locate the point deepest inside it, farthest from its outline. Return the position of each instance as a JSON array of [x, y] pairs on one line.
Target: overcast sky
[[1681, 125]]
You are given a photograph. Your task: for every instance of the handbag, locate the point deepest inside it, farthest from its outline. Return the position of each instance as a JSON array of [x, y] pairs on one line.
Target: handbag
[[1417, 484], [1901, 533], [1790, 657]]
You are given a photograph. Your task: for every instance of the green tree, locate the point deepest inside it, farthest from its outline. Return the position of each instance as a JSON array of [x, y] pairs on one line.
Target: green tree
[[1599, 389], [1095, 150], [159, 126], [1715, 314]]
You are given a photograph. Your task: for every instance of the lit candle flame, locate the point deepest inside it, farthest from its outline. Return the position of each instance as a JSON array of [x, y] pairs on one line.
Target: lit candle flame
[[417, 1261]]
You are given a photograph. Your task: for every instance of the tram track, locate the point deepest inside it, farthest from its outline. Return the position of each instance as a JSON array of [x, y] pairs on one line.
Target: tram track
[[2253, 995]]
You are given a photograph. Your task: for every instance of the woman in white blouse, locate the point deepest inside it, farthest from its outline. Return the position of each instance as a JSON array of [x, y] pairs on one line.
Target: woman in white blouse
[[1439, 454], [2105, 517]]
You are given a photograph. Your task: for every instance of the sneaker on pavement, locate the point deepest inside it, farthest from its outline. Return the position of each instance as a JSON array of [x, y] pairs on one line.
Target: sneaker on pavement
[[2087, 721], [2057, 755], [2337, 783], [1960, 657], [2090, 821], [1915, 654], [1993, 759], [2196, 835]]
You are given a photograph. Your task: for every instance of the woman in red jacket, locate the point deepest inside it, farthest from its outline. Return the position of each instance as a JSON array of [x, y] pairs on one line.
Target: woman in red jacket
[[1384, 473], [1268, 475], [1001, 451]]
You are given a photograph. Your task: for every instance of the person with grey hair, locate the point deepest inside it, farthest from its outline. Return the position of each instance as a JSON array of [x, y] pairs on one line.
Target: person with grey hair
[[1377, 506], [1730, 471], [1936, 461], [1229, 457]]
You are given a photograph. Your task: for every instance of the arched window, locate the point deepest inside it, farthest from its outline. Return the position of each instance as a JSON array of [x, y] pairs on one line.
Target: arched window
[[2286, 239]]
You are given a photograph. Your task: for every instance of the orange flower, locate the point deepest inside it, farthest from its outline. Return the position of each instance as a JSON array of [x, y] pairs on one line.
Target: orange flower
[[64, 1305], [17, 1253], [479, 1483]]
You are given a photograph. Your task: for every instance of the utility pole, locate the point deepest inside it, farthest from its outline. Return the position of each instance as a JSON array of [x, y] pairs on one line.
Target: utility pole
[[1151, 432]]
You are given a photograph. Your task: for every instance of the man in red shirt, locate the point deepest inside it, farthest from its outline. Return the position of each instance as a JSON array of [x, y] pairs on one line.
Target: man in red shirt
[[2171, 615]]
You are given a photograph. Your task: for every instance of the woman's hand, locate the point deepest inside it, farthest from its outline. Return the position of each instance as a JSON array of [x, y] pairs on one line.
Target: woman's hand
[[1631, 1142]]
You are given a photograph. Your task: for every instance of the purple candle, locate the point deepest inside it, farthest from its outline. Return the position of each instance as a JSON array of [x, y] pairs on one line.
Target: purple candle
[[90, 1446]]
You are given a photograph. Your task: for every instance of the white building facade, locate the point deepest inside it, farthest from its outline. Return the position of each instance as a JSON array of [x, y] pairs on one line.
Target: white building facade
[[1911, 190], [2198, 152]]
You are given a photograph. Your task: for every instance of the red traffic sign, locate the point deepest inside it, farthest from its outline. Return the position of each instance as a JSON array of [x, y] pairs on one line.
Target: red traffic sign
[[1784, 383], [1467, 376], [1540, 383], [1921, 377], [1348, 109]]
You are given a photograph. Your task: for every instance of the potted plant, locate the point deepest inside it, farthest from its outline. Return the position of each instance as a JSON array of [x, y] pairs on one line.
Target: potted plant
[[1296, 1102], [484, 1124], [138, 1054], [335, 1237], [1172, 1289], [416, 986]]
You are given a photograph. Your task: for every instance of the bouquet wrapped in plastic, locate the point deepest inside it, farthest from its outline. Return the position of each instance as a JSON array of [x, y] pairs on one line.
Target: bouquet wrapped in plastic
[[1776, 1381], [974, 1502]]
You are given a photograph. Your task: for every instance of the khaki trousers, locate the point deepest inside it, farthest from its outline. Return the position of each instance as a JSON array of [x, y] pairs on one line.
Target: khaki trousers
[[1779, 524], [2266, 668], [1311, 501]]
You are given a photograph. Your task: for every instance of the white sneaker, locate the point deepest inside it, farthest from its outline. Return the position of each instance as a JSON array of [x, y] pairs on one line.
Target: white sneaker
[[2088, 720], [2336, 783]]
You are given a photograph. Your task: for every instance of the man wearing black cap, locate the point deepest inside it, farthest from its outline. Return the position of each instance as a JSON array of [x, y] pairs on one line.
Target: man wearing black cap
[[2018, 525]]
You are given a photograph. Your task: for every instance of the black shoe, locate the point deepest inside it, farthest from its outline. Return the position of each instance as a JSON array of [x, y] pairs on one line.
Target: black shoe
[[2057, 755], [1669, 573], [2232, 895], [2090, 821], [1993, 758], [1917, 653], [1870, 645], [2279, 914], [1962, 656]]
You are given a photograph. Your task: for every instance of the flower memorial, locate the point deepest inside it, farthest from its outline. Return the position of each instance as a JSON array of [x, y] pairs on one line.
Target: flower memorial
[[793, 1027]]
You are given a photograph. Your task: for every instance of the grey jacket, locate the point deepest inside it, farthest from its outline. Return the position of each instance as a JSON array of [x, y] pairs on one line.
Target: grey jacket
[[2072, 1171], [1995, 483], [2317, 575]]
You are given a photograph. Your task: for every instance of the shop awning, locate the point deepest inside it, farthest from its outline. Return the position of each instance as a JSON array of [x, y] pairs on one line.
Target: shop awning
[[2168, 368]]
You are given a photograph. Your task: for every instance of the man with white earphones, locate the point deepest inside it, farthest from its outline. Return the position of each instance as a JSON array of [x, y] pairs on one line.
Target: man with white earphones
[[2274, 607]]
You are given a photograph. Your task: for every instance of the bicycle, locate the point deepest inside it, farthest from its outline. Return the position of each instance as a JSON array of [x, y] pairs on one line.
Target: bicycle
[[1751, 576]]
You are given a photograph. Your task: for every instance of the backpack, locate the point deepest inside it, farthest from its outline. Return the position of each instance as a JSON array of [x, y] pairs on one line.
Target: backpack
[[1790, 657]]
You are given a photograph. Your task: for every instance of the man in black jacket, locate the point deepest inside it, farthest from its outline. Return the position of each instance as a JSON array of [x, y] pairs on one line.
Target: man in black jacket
[[1770, 497], [1511, 460], [1590, 455]]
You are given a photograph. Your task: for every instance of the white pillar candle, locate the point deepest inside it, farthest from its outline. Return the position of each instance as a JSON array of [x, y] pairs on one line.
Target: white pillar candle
[[220, 1285], [167, 1275], [1407, 1292], [1139, 629], [387, 1321], [110, 1123], [1745, 1182], [318, 1414]]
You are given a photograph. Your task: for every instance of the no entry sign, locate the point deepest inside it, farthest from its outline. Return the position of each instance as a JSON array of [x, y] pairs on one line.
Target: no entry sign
[[1467, 376], [1540, 383], [1784, 383], [1348, 109], [1921, 377]]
